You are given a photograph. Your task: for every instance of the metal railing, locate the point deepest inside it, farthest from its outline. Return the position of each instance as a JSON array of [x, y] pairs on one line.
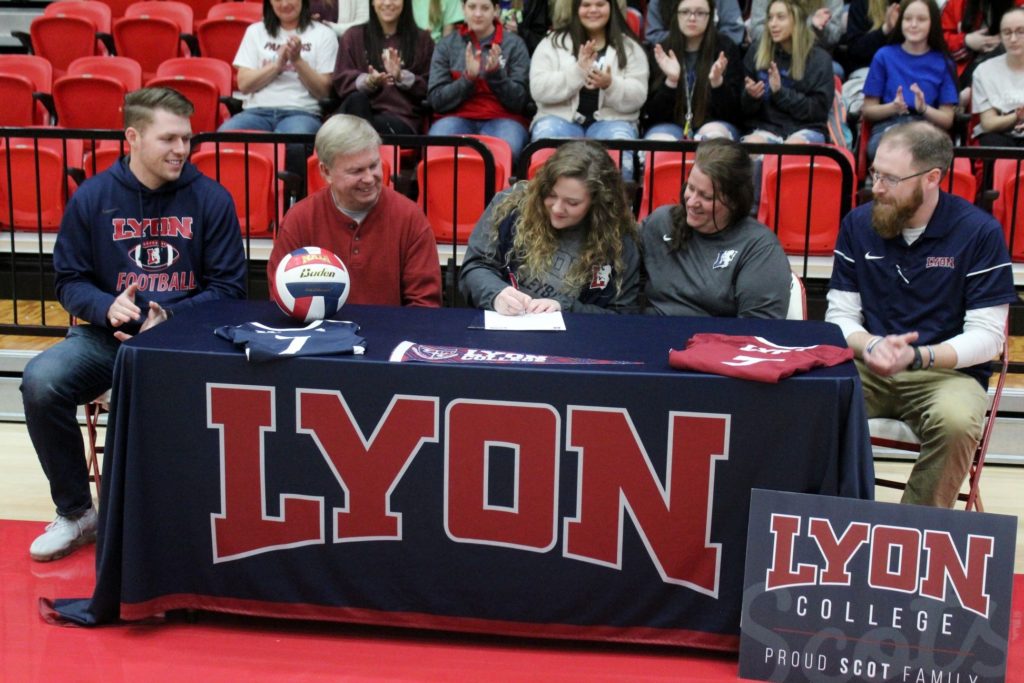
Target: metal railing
[[26, 274]]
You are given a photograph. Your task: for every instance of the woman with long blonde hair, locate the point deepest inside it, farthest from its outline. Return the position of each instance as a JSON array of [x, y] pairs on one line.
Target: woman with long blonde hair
[[823, 17], [789, 85], [562, 241]]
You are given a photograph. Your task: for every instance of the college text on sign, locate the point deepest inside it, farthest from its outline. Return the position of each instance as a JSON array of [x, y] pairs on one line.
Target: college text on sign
[[615, 477], [849, 590]]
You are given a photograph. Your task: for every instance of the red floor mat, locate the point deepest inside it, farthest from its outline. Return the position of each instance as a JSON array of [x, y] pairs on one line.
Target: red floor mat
[[236, 648]]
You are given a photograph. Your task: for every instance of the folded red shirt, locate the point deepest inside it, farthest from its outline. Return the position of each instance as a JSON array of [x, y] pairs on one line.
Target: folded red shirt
[[753, 358]]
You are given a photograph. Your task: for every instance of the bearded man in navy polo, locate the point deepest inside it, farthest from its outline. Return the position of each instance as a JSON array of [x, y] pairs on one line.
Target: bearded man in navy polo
[[921, 287]]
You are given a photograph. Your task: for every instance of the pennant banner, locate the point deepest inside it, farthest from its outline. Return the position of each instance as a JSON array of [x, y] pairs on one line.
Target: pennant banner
[[425, 353]]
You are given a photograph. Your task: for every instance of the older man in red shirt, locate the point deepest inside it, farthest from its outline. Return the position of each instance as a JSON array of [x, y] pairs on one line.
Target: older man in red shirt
[[382, 237]]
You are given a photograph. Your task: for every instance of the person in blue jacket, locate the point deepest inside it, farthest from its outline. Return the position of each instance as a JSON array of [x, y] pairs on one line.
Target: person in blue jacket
[[143, 240]]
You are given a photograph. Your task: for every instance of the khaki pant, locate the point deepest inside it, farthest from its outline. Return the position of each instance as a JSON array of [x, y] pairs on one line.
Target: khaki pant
[[945, 408]]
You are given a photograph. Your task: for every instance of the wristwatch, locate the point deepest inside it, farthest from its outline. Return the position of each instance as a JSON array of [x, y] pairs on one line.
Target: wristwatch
[[916, 365]]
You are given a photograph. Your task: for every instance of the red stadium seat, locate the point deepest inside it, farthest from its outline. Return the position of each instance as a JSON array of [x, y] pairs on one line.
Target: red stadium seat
[[452, 191], [178, 12], [40, 75], [208, 69], [538, 159], [200, 8], [91, 10], [123, 69], [239, 11], [250, 180], [799, 234], [664, 176], [502, 153], [635, 21], [962, 181], [203, 94], [101, 154], [213, 70], [148, 40], [314, 181], [61, 40], [33, 208], [220, 38], [391, 156], [117, 7], [89, 102], [16, 92], [1008, 181]]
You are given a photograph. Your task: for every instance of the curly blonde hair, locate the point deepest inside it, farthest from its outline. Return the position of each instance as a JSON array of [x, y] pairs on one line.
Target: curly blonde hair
[[608, 223]]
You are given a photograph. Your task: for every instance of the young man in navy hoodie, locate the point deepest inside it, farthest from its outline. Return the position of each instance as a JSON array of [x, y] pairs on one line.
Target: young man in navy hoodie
[[139, 242]]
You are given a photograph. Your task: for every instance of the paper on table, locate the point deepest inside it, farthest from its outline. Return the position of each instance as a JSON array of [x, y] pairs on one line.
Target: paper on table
[[530, 321]]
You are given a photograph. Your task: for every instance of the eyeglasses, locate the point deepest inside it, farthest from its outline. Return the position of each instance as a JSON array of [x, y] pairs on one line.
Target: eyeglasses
[[694, 13], [890, 181], [1008, 33]]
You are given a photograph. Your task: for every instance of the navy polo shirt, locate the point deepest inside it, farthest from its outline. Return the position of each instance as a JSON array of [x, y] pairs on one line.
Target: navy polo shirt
[[959, 263]]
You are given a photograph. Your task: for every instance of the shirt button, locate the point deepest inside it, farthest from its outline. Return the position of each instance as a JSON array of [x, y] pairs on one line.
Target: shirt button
[[355, 251], [357, 238]]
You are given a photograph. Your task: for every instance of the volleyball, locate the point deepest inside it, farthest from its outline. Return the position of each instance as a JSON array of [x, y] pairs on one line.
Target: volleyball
[[310, 284]]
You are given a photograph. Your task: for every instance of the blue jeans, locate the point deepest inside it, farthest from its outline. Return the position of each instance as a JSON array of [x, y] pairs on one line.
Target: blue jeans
[[711, 129], [557, 127], [509, 130], [272, 120], [808, 136], [54, 384]]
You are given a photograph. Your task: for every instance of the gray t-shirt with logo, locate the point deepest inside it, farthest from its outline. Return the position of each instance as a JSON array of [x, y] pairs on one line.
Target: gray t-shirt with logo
[[739, 272]]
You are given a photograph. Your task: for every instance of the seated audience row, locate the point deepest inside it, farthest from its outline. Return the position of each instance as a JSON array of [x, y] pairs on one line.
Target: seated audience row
[[485, 64], [914, 77], [591, 78]]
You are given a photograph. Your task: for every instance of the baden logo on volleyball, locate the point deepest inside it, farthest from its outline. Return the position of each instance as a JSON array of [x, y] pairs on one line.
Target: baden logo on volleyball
[[310, 283]]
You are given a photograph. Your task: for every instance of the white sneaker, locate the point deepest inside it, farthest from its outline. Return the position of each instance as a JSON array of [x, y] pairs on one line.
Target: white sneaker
[[63, 535]]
